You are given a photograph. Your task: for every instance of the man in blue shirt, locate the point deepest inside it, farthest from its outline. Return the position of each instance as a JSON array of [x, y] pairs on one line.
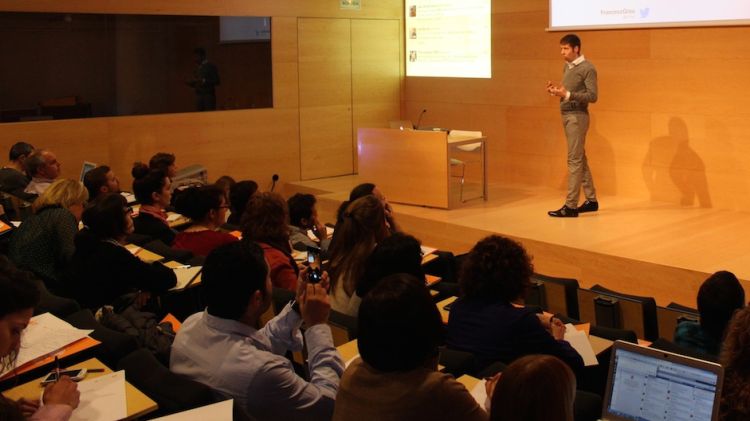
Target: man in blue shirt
[[224, 348]]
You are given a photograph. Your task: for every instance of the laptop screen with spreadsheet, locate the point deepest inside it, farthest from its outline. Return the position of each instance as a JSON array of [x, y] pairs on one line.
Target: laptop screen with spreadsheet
[[650, 384]]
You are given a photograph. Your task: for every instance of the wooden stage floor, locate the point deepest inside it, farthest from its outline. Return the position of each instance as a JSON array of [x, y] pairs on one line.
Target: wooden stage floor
[[631, 245]]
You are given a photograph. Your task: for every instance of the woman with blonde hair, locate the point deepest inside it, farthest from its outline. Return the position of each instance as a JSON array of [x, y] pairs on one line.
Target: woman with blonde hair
[[735, 357], [44, 244], [362, 227]]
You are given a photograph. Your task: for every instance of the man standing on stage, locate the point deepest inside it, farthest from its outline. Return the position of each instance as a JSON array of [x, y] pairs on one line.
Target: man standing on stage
[[577, 90]]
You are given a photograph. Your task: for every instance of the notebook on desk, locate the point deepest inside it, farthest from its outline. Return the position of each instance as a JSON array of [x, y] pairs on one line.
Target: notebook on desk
[[649, 384]]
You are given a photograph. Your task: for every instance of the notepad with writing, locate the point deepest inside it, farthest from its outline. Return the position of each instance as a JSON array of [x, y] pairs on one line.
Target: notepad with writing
[[102, 398]]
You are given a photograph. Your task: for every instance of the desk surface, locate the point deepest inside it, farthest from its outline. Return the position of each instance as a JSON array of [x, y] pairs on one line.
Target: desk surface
[[138, 404], [441, 308], [348, 350], [143, 254]]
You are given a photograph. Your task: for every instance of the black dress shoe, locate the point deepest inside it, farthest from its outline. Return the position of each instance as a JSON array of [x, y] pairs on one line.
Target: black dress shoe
[[564, 212], [588, 206]]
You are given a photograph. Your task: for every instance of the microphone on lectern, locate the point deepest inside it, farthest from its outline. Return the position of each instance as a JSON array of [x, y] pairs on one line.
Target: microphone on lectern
[[419, 120], [274, 179]]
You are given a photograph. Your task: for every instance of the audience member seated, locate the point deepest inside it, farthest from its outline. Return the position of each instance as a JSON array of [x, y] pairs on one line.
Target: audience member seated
[[398, 253], [102, 269], [223, 347], [367, 189], [239, 195], [152, 189], [100, 181], [13, 179], [735, 357], [225, 183], [718, 298], [266, 222], [362, 228], [396, 377], [444, 266], [207, 207], [485, 321], [534, 388], [18, 297], [44, 243], [43, 168], [303, 216], [164, 162]]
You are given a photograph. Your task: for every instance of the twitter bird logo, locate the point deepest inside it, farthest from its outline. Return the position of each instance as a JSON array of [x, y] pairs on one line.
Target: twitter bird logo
[[644, 12]]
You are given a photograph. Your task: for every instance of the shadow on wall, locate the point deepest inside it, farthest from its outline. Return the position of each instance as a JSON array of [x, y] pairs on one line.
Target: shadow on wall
[[673, 172]]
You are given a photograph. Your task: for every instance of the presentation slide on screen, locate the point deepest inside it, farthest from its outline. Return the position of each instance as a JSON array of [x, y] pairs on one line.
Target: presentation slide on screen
[[448, 38], [572, 14]]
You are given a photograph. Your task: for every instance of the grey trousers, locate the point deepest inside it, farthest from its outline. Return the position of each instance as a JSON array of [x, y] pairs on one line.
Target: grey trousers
[[579, 175]]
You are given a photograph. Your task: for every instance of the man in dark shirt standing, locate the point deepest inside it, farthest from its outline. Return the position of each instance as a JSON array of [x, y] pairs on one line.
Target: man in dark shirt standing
[[13, 179], [205, 80], [577, 90]]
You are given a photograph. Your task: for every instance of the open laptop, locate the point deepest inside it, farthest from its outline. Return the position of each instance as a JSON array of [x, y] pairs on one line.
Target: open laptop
[[649, 384], [87, 166]]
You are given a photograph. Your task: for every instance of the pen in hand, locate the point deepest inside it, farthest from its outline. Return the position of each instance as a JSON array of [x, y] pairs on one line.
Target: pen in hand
[[57, 369]]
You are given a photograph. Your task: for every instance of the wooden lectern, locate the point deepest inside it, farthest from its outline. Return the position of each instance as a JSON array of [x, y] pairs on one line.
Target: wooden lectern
[[414, 166]]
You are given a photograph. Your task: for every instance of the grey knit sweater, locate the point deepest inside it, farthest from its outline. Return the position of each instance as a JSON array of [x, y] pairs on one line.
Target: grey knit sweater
[[581, 81]]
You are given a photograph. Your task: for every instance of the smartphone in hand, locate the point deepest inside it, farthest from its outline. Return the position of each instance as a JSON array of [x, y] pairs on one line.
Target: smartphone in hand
[[315, 271]]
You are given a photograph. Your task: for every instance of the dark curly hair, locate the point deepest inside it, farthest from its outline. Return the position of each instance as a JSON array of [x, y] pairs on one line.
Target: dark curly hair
[[735, 357], [496, 268]]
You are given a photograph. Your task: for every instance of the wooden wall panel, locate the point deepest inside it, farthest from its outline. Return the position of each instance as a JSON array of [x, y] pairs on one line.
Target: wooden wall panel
[[670, 124], [325, 97], [376, 74]]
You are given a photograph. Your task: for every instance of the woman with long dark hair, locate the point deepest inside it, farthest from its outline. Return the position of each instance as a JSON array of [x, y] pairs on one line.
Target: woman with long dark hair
[[18, 297], [735, 357], [102, 269], [207, 207], [362, 227]]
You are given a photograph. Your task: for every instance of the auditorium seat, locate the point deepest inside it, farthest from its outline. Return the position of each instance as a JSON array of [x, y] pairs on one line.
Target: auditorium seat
[[343, 327], [555, 295], [172, 392], [607, 308], [457, 363], [670, 316], [669, 346]]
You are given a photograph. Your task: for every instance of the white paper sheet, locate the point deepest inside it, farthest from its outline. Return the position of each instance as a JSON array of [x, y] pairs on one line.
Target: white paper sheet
[[329, 232], [580, 342], [428, 250], [46, 335], [479, 392], [221, 411], [102, 399], [185, 276]]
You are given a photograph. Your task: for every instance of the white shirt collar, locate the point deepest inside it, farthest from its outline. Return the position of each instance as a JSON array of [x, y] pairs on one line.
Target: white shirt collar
[[576, 62]]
